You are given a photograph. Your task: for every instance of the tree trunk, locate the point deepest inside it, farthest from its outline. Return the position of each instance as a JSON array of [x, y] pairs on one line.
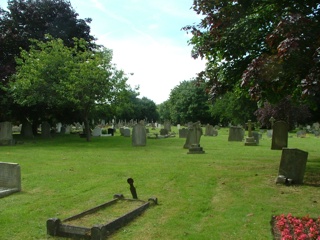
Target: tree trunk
[[87, 129]]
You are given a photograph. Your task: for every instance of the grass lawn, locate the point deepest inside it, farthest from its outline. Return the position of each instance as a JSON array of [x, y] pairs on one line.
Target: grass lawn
[[227, 193]]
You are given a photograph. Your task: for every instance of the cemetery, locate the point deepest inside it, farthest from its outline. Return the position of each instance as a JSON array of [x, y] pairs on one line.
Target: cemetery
[[232, 190]]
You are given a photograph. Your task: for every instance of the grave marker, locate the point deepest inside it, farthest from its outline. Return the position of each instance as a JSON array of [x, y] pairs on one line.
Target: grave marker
[[280, 135]]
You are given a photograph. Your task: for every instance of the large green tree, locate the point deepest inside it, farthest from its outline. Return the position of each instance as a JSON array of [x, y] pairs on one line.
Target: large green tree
[[56, 76], [263, 49], [189, 102], [27, 19]]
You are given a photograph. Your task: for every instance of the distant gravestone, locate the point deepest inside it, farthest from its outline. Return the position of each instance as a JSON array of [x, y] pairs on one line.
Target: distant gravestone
[[126, 132], [256, 136], [10, 178], [167, 125], [236, 134], [183, 133], [111, 131], [164, 132], [269, 133], [26, 130], [58, 127], [139, 135], [208, 130], [6, 133], [293, 164], [193, 139], [68, 129], [45, 130], [301, 134], [97, 131], [250, 140], [280, 135]]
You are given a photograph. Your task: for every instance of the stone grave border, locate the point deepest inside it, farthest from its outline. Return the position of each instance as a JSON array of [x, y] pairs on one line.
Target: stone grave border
[[56, 227]]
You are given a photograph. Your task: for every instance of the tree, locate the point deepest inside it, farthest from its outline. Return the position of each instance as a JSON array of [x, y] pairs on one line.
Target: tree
[[164, 111], [263, 49], [33, 19], [284, 110], [189, 102], [56, 76], [233, 109]]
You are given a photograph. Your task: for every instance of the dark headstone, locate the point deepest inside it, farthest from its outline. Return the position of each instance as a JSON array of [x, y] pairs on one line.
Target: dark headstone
[[280, 135], [26, 130], [293, 164], [111, 131], [164, 132], [45, 130]]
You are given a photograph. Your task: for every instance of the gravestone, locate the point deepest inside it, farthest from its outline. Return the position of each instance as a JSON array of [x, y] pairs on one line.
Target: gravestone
[[111, 131], [6, 133], [280, 135], [45, 130], [236, 134], [183, 133], [97, 131], [250, 140], [193, 139], [10, 178], [68, 129], [139, 135], [269, 133], [126, 132], [293, 164], [256, 136], [208, 130], [167, 126], [58, 127], [164, 132], [301, 134], [26, 130]]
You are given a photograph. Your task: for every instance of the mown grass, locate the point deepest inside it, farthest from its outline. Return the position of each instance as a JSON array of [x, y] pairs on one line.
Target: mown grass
[[227, 193]]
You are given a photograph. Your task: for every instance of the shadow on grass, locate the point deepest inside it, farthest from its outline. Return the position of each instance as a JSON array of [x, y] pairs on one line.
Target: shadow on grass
[[312, 173]]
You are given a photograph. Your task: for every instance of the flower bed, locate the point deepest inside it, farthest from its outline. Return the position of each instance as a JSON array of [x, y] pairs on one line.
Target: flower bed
[[295, 228]]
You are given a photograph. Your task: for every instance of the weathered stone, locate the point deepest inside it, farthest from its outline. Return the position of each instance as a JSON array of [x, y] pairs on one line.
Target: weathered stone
[[280, 135], [10, 178], [236, 134], [139, 135], [293, 164]]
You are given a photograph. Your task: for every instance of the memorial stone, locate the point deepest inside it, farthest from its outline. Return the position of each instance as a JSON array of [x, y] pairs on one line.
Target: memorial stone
[[10, 178], [280, 135], [126, 132], [183, 133], [6, 133], [293, 164], [26, 130], [236, 134], [45, 130], [139, 135], [97, 131]]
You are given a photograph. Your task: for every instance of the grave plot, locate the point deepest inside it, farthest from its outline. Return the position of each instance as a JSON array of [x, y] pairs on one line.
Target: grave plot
[[100, 221]]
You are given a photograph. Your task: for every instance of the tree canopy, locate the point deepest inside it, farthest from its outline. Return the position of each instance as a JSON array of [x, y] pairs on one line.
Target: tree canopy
[[33, 19], [56, 76], [265, 50]]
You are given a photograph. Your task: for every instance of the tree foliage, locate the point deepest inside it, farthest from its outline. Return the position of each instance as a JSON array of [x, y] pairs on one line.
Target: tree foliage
[[189, 102], [264, 49], [56, 76], [285, 110], [26, 19], [233, 109]]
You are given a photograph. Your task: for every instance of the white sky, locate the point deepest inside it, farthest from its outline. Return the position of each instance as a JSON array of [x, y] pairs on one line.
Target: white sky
[[146, 39]]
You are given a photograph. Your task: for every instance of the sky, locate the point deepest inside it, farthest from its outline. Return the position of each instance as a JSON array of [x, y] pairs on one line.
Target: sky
[[146, 39]]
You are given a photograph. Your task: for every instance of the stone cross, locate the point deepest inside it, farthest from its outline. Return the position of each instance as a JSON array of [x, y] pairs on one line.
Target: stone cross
[[249, 128], [272, 120]]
